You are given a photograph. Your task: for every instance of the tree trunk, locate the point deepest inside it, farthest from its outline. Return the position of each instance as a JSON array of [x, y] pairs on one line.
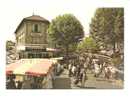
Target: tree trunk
[[114, 47], [67, 51], [67, 54]]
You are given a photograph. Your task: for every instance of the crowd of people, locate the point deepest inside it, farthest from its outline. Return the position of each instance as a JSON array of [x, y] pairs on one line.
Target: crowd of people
[[12, 84], [78, 68], [28, 83]]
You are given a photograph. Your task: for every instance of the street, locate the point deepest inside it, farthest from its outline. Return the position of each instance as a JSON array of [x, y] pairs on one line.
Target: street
[[63, 81]]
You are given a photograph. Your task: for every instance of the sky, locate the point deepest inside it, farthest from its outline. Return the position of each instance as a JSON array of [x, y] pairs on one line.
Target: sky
[[13, 11]]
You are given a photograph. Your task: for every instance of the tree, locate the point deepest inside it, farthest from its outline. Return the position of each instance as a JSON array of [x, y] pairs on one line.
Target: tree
[[88, 45], [9, 45], [107, 26], [10, 51], [119, 28], [66, 31]]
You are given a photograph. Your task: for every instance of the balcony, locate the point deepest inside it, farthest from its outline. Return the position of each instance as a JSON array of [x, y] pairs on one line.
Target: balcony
[[31, 46], [34, 34]]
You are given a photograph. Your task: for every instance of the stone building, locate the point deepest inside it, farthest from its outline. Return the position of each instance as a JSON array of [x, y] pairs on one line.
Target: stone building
[[31, 37]]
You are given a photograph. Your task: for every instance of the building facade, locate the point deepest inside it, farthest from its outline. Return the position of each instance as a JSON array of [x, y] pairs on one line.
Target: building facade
[[31, 37]]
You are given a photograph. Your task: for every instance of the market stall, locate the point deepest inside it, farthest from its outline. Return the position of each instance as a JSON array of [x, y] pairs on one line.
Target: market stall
[[34, 71]]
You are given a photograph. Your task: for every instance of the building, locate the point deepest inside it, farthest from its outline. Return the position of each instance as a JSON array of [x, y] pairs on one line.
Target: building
[[31, 37]]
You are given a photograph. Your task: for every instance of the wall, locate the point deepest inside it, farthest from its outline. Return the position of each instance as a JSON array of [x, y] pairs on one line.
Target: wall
[[36, 38], [20, 35]]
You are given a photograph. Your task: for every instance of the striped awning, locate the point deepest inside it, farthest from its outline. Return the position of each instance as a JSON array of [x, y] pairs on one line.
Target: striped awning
[[30, 67]]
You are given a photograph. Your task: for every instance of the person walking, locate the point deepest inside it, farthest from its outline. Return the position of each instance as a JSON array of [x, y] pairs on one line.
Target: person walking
[[96, 69], [70, 68], [19, 86], [84, 78], [11, 84], [27, 84], [73, 70]]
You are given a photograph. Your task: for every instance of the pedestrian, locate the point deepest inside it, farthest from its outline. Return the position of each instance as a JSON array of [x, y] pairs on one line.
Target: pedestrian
[[107, 73], [58, 68], [19, 86], [27, 84], [11, 84], [73, 70], [96, 69], [81, 74], [78, 71], [84, 78], [70, 68], [85, 64]]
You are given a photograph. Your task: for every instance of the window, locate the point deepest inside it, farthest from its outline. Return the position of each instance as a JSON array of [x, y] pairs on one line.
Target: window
[[30, 55], [36, 28]]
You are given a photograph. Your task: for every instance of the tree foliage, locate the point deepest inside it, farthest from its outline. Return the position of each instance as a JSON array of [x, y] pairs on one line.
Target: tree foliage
[[107, 26], [65, 31], [88, 45], [9, 45]]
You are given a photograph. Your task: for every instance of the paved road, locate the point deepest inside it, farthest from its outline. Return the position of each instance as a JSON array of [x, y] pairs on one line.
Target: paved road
[[62, 81], [65, 82], [101, 83]]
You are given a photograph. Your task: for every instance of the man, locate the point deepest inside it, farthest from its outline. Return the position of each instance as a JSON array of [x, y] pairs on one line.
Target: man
[[107, 73], [84, 78], [19, 86], [27, 84], [58, 68], [96, 69], [69, 68], [11, 84], [74, 70]]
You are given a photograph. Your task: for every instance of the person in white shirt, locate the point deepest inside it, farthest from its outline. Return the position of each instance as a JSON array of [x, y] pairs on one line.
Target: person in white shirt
[[96, 69], [73, 70], [69, 68]]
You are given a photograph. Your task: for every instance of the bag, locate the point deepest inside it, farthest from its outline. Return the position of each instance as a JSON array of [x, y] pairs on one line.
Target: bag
[[76, 81]]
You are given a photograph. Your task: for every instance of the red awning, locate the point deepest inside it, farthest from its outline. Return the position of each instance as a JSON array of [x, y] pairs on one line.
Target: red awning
[[33, 67], [11, 67], [41, 68]]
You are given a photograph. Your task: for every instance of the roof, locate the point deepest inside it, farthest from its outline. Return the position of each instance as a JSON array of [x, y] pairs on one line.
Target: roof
[[32, 18], [36, 17]]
